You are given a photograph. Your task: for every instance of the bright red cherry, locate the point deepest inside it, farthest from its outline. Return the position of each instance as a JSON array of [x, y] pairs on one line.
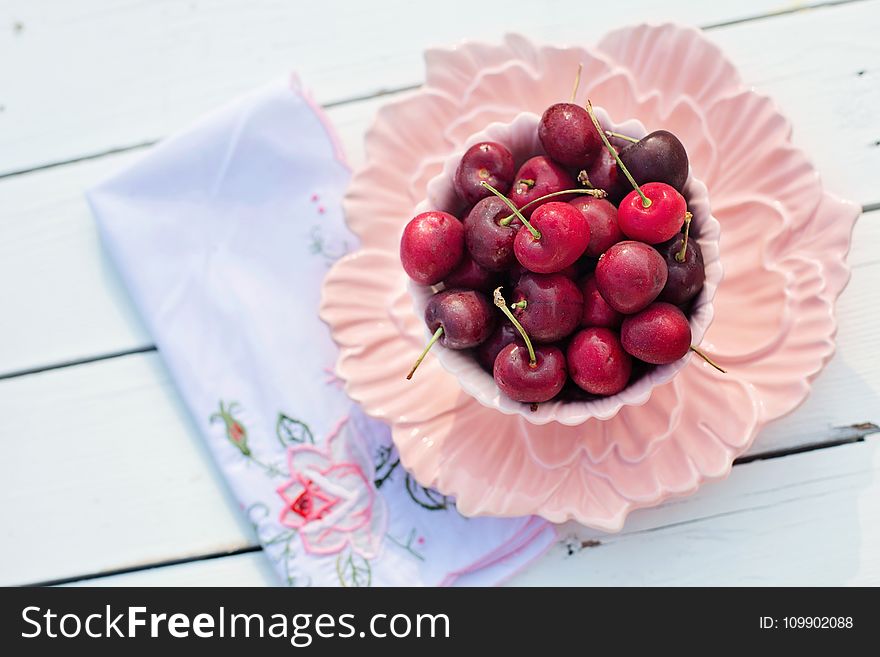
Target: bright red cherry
[[487, 161], [630, 275], [597, 362], [563, 236], [431, 246], [659, 334], [659, 221]]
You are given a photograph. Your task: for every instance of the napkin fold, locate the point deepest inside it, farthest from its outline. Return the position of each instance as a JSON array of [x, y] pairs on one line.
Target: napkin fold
[[223, 235]]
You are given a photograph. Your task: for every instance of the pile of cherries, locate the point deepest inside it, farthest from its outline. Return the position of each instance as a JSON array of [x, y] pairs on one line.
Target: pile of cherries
[[600, 280]]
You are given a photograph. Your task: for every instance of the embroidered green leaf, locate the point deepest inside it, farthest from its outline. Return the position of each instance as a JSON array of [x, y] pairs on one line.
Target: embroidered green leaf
[[426, 498], [385, 465], [353, 570], [290, 431]]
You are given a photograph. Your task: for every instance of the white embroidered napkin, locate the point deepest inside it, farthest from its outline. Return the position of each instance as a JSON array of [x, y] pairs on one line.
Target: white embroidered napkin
[[223, 235]]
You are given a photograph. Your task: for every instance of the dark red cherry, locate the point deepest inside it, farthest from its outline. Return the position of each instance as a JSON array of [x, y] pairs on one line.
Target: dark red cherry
[[528, 382], [549, 306], [466, 317], [564, 236], [630, 275], [658, 222], [470, 275], [686, 276], [596, 311], [503, 335], [490, 242], [568, 136], [431, 246], [597, 362], [486, 161], [659, 334], [604, 174], [538, 177], [657, 157], [601, 215]]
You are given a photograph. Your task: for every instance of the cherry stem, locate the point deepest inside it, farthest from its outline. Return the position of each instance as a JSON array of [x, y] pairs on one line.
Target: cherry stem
[[501, 303], [421, 357], [687, 229], [699, 352], [577, 82], [520, 305], [611, 133], [534, 231], [595, 193], [646, 202]]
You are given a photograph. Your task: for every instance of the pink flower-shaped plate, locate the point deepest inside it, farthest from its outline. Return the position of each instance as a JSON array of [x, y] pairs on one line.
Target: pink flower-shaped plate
[[783, 246]]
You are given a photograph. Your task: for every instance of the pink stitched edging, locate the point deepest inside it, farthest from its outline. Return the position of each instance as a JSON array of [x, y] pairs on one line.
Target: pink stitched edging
[[338, 152], [498, 555]]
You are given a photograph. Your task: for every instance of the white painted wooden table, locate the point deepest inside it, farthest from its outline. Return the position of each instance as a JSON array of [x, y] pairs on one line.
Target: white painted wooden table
[[103, 478]]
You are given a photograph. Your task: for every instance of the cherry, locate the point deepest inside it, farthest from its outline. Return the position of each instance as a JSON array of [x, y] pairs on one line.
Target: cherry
[[568, 135], [653, 213], [538, 177], [630, 275], [596, 311], [431, 246], [525, 373], [563, 236], [459, 319], [659, 334], [687, 273], [601, 215], [657, 157], [604, 174], [472, 276], [488, 351], [656, 222], [489, 239], [597, 362], [549, 306], [487, 161]]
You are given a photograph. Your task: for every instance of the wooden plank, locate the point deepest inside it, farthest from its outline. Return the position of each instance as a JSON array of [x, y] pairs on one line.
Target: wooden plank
[[818, 509], [111, 440], [807, 519], [103, 469], [251, 569], [134, 70]]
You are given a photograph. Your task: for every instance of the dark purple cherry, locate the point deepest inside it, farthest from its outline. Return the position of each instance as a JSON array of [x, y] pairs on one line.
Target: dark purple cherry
[[486, 161], [488, 236], [657, 157], [687, 272], [458, 319], [549, 306]]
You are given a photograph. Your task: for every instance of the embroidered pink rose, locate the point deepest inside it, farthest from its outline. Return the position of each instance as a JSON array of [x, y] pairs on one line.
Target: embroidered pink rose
[[330, 498]]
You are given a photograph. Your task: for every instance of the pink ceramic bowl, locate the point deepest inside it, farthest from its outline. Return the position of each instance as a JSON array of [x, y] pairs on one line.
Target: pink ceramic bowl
[[783, 245], [521, 136]]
